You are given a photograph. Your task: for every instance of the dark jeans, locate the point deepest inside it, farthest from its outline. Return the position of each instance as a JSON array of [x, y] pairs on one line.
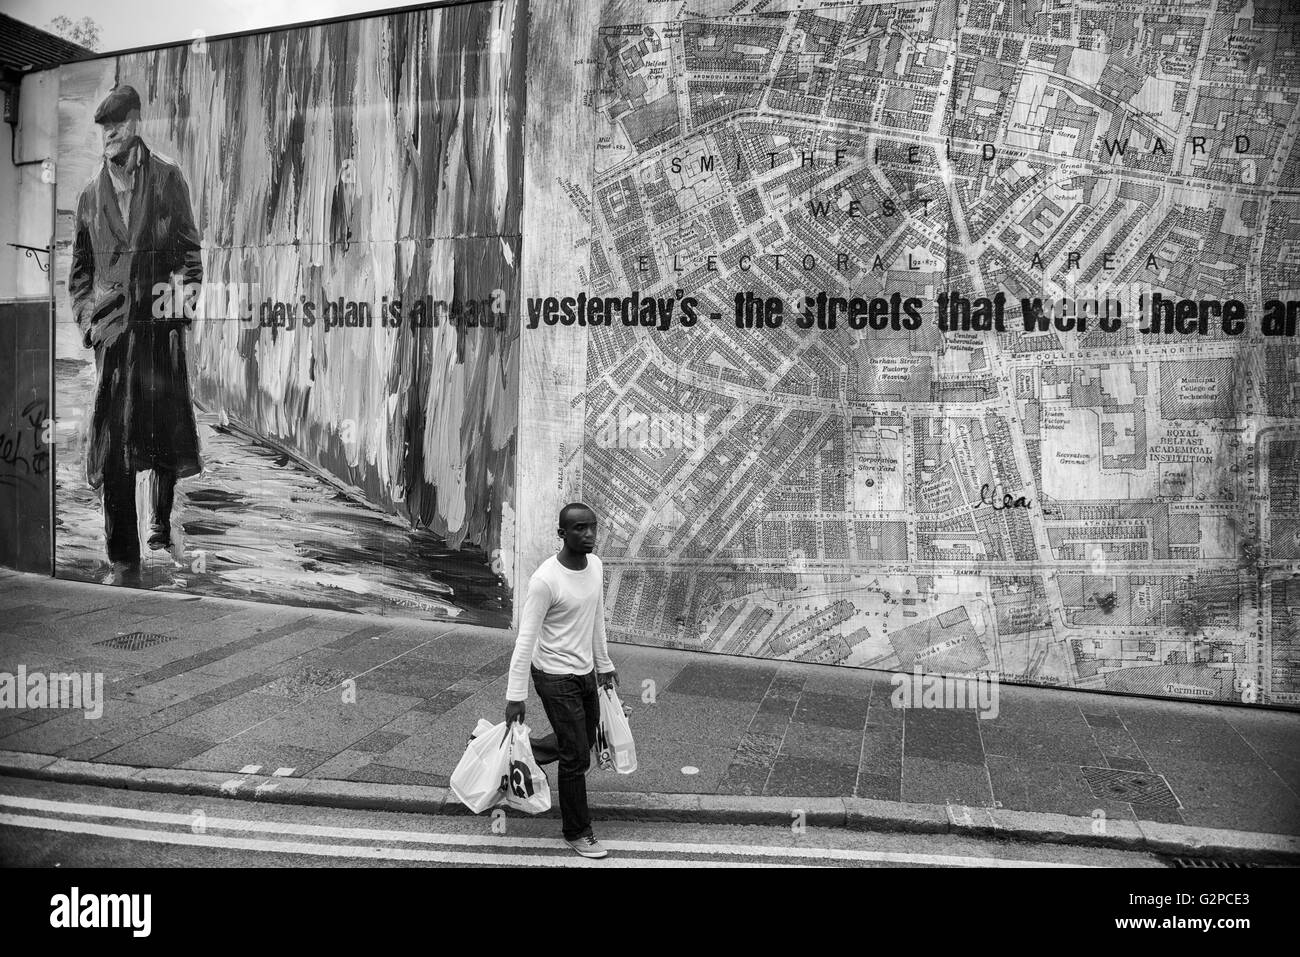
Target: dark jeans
[[573, 708], [120, 533]]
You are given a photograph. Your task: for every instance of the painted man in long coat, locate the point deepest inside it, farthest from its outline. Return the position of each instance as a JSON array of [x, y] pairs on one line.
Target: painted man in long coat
[[134, 232]]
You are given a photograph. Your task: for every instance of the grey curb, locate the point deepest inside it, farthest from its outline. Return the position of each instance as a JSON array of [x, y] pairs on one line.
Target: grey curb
[[853, 813]]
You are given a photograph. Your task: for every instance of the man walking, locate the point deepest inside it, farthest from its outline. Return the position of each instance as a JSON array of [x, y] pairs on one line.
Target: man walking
[[134, 231], [562, 638]]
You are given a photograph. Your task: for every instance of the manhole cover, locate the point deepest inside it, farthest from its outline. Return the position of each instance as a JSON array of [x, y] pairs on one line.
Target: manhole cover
[[136, 641], [1131, 787]]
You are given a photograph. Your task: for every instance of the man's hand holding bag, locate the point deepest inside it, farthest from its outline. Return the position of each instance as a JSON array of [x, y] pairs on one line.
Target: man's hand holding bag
[[498, 768]]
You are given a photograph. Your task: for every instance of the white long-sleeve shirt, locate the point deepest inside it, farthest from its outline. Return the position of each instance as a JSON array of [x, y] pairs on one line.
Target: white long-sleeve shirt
[[562, 628]]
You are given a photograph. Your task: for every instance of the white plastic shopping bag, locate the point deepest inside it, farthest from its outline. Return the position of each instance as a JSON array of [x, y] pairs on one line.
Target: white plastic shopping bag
[[482, 768], [614, 745], [498, 767], [526, 788]]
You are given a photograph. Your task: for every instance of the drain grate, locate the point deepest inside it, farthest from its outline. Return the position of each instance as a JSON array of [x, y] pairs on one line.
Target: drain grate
[[136, 641], [1131, 787], [1198, 863]]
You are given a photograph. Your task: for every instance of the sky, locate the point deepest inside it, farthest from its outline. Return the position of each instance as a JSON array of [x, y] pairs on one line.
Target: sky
[[125, 24]]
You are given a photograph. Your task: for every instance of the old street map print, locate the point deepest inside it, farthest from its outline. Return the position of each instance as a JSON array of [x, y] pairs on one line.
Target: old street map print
[[844, 500]]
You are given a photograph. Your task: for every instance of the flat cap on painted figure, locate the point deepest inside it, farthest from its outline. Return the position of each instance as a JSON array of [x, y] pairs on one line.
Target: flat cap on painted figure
[[118, 105]]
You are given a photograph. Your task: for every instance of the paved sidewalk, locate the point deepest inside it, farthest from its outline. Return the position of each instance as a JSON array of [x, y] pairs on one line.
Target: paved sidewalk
[[236, 684]]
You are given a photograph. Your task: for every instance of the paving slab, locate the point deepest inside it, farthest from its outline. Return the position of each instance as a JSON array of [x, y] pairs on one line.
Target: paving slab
[[797, 776], [933, 781]]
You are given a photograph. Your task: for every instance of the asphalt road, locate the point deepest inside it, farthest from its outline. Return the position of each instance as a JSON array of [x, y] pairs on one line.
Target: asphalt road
[[48, 824]]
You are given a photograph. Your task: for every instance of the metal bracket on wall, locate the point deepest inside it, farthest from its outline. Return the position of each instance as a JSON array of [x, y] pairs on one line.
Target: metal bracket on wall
[[35, 252]]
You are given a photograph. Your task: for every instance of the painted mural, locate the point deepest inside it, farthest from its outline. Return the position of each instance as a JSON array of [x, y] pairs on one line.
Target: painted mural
[[837, 313], [287, 352], [836, 405]]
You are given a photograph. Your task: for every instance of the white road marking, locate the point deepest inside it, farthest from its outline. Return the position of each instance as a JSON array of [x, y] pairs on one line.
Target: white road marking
[[348, 850], [250, 769], [486, 840], [283, 772]]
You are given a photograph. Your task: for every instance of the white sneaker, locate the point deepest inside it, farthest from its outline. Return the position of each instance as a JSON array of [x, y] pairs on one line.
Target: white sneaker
[[588, 846]]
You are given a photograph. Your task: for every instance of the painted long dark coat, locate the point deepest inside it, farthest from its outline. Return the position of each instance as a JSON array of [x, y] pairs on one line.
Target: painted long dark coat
[[143, 413]]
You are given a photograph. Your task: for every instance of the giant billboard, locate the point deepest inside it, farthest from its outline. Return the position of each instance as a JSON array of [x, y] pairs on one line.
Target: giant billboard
[[287, 364], [901, 448], [893, 335]]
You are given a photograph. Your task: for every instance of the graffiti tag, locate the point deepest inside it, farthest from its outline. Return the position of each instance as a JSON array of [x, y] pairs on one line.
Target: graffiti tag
[[25, 451]]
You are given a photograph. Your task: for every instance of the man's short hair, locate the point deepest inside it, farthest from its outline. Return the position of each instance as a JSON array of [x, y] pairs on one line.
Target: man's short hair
[[564, 512], [117, 106]]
